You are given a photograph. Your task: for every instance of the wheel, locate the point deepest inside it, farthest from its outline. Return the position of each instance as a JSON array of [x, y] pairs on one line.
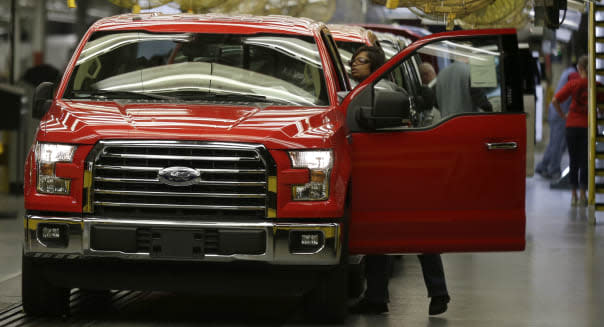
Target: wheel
[[104, 295], [95, 301], [327, 302], [39, 296], [356, 279]]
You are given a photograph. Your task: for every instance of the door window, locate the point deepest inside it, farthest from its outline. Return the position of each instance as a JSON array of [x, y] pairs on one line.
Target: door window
[[464, 77]]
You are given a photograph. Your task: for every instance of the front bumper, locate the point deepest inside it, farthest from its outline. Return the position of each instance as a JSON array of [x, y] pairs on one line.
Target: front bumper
[[277, 238]]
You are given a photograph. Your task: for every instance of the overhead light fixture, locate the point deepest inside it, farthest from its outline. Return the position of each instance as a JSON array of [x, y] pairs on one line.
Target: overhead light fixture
[[563, 35]]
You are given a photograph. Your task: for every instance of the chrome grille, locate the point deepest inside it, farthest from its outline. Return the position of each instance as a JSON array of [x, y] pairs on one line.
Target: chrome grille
[[233, 180]]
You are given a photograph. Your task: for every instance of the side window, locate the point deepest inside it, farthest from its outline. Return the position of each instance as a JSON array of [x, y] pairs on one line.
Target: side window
[[416, 61], [413, 74], [411, 82], [398, 76], [463, 76], [330, 44], [467, 75]]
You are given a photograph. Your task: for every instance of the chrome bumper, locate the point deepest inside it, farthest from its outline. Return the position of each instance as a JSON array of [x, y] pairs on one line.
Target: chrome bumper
[[277, 240]]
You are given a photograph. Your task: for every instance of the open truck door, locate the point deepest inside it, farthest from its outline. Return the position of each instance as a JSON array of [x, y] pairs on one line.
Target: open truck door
[[440, 167]]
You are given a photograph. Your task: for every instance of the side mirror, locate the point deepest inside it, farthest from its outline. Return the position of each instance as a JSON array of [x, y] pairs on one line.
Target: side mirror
[[42, 99], [390, 109]]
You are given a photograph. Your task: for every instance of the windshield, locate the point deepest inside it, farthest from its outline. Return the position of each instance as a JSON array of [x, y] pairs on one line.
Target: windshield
[[278, 69]]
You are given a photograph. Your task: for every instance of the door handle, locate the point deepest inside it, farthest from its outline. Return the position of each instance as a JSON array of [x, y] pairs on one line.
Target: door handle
[[502, 146]]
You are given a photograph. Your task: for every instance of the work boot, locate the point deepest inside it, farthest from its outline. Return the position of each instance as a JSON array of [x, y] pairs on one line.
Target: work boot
[[365, 306], [438, 304]]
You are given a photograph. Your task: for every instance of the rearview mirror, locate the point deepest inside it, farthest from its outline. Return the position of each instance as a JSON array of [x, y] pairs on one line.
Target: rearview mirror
[[390, 109], [42, 99]]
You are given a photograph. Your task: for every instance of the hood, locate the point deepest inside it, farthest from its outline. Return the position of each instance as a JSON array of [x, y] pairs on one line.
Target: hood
[[85, 122]]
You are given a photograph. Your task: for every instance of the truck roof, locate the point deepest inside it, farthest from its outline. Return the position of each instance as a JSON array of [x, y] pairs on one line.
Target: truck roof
[[352, 33], [411, 32], [209, 23]]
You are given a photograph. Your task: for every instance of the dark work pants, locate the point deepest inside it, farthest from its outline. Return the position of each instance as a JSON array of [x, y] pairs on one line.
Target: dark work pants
[[378, 269], [576, 137], [434, 274]]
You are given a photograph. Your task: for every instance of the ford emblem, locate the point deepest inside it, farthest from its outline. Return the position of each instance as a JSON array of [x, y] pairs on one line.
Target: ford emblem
[[179, 176]]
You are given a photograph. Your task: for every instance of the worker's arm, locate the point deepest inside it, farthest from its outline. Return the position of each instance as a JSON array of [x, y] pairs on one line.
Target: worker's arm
[[556, 105], [561, 96]]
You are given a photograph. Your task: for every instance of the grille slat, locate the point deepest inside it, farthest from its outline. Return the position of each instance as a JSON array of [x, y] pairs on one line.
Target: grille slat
[[175, 206], [156, 181], [175, 157], [233, 180], [180, 194], [157, 169]]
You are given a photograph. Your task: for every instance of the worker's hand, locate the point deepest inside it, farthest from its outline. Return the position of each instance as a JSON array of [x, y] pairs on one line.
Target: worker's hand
[[562, 114]]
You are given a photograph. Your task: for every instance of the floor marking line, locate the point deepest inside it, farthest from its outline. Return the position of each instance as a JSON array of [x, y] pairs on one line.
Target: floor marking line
[[10, 308]]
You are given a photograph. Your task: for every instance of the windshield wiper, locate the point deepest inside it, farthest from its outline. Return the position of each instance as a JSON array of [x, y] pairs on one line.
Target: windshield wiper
[[237, 96], [178, 96], [114, 94], [244, 97]]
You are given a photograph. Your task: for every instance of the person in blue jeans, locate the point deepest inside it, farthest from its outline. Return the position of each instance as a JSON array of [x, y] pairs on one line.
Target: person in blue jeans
[[549, 166]]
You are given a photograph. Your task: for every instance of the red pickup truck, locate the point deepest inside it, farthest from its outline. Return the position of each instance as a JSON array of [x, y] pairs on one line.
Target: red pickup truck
[[229, 154]]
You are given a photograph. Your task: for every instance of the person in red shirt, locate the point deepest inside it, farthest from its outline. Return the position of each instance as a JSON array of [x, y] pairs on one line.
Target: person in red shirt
[[576, 129]]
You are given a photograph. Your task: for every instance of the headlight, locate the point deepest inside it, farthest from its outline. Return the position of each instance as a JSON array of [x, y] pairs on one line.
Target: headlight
[[47, 155], [319, 163]]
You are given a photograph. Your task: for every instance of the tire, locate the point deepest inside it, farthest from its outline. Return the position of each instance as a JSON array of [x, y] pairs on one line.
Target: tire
[[356, 279], [97, 294], [39, 296], [95, 301], [356, 271], [327, 302]]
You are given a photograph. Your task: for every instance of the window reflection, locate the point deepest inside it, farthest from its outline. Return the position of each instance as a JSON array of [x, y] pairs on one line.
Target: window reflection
[[463, 76], [200, 67]]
